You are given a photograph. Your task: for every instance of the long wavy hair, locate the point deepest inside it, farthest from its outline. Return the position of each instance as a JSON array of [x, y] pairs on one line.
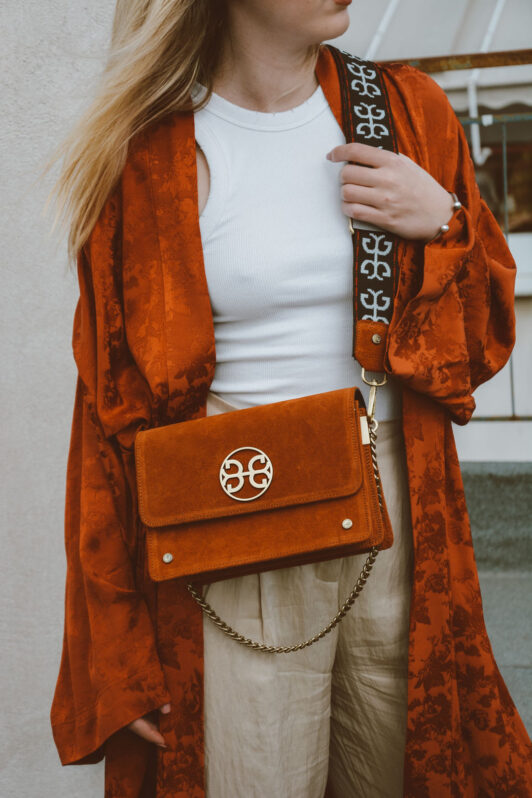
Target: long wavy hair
[[159, 49]]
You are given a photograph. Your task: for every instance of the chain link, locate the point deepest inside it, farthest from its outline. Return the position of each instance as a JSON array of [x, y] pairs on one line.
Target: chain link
[[342, 612], [256, 646]]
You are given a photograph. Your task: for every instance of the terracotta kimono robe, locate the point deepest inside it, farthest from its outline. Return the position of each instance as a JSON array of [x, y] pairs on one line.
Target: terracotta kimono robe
[[143, 341]]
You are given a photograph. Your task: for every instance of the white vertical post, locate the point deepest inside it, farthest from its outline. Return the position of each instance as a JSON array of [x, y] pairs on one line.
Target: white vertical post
[[381, 30]]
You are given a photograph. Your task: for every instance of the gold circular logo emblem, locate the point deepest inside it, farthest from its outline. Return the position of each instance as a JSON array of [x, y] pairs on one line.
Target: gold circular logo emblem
[[246, 473]]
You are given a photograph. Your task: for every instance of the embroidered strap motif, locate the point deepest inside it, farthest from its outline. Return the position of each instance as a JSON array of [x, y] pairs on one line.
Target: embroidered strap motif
[[366, 118]]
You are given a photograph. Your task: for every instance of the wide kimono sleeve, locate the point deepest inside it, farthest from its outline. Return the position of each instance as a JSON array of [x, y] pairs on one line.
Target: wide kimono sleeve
[[110, 672], [458, 328]]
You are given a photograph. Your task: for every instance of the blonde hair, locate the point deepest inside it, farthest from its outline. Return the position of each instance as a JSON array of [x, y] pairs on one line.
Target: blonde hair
[[159, 49]]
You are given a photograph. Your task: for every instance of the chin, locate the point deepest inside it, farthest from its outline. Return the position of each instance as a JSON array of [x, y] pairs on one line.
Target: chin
[[336, 23], [341, 24]]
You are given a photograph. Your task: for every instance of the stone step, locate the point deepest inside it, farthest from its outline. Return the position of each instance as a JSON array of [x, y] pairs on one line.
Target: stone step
[[499, 502], [506, 599]]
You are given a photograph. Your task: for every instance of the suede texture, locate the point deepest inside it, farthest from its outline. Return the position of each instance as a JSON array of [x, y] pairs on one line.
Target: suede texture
[[321, 474], [370, 353]]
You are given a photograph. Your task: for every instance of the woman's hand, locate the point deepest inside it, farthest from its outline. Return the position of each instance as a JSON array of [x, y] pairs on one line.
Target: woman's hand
[[391, 191], [147, 728]]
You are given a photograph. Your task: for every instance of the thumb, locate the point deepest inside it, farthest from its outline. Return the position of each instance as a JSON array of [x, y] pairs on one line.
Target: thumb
[[165, 709]]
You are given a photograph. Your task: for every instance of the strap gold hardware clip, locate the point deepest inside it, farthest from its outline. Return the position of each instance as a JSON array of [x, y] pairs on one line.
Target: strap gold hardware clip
[[374, 384]]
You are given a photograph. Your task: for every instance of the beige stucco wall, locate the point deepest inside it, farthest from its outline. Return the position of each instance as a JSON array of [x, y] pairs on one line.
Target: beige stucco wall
[[49, 53]]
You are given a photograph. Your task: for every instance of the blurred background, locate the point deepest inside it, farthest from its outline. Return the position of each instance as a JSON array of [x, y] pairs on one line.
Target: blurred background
[[50, 57]]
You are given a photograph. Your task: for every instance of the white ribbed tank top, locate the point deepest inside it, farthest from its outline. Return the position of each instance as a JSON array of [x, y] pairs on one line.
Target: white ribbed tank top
[[278, 255]]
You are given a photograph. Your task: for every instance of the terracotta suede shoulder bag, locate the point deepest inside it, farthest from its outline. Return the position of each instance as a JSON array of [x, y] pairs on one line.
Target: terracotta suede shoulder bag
[[289, 482]]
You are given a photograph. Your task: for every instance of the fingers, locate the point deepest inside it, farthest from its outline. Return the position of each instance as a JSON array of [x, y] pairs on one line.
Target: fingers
[[360, 175], [365, 213], [389, 190], [361, 154], [147, 729], [363, 203], [360, 194]]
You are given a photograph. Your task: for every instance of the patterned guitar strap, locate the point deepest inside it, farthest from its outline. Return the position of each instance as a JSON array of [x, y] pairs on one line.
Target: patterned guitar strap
[[366, 118]]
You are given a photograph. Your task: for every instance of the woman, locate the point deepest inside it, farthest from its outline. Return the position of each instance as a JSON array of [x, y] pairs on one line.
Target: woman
[[173, 307]]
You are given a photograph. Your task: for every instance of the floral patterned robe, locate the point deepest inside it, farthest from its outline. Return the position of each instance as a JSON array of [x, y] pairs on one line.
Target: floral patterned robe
[[143, 342]]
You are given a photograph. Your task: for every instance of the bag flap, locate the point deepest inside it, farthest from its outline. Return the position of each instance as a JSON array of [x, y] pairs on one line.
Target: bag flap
[[286, 453]]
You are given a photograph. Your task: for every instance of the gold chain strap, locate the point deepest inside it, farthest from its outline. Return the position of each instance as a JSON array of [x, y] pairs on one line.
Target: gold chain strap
[[344, 609], [246, 641]]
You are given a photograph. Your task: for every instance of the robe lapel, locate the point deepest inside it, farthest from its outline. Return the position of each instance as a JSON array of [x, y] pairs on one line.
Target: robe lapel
[[190, 346], [189, 354]]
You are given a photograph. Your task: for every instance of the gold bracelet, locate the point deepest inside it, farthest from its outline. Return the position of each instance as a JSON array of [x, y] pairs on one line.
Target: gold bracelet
[[445, 227]]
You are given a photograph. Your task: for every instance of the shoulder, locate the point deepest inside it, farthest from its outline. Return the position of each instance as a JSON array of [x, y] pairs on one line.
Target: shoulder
[[410, 90], [428, 129], [408, 78], [160, 133], [155, 149], [417, 90]]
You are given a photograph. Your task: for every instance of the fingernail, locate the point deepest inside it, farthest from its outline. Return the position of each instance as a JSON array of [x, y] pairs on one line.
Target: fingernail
[[328, 156], [161, 745]]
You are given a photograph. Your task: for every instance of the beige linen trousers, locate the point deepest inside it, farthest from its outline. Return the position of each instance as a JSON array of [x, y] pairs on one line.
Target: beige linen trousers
[[283, 725]]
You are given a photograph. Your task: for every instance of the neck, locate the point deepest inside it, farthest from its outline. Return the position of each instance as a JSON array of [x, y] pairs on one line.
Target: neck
[[261, 70]]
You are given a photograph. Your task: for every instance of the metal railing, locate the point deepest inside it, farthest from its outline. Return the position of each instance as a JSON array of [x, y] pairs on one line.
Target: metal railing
[[449, 63]]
